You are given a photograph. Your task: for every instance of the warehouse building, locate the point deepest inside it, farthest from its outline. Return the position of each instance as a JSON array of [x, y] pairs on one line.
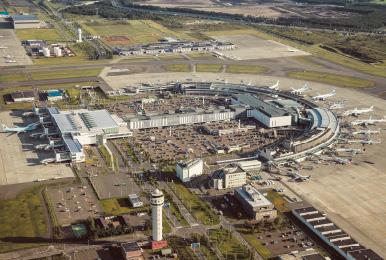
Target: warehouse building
[[334, 237], [25, 21], [21, 96], [183, 118], [264, 112], [231, 176], [255, 204], [187, 170]]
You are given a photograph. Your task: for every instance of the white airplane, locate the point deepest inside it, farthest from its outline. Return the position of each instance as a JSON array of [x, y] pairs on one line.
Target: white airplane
[[298, 177], [48, 160], [324, 96], [356, 111], [349, 150], [3, 47], [275, 86], [341, 160], [29, 113], [40, 146], [369, 121], [369, 142], [10, 61], [301, 90], [367, 132], [336, 105], [9, 57], [20, 129]]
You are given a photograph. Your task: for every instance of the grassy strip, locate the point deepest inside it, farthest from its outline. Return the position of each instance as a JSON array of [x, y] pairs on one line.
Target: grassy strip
[[277, 200], [253, 241], [165, 224], [112, 207], [177, 67], [200, 210], [50, 35], [229, 246], [14, 77], [65, 74], [199, 55], [22, 217], [105, 154], [246, 69], [333, 79], [175, 211], [208, 67]]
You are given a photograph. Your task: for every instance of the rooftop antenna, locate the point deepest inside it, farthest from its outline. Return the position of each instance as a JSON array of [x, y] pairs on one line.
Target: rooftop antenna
[[203, 100], [239, 124]]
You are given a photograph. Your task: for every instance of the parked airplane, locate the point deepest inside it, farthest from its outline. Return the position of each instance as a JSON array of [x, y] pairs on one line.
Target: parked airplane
[[336, 105], [10, 61], [30, 113], [298, 177], [367, 132], [367, 122], [275, 86], [20, 129], [324, 96], [356, 111], [3, 47], [369, 142], [48, 160], [349, 150], [341, 160], [301, 90]]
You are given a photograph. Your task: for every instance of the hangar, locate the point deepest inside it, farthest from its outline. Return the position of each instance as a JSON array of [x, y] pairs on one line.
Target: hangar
[[25, 21]]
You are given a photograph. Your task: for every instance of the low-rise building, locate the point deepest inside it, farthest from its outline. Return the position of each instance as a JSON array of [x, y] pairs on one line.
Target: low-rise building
[[255, 204], [132, 251], [187, 170], [250, 166], [134, 200], [25, 21], [231, 176], [22, 96]]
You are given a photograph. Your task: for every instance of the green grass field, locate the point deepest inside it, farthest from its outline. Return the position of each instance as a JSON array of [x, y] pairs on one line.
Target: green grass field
[[246, 69], [200, 55], [278, 201], [6, 78], [22, 217], [229, 246], [112, 207], [49, 35], [199, 209], [208, 67], [177, 67], [253, 241], [333, 79], [137, 31], [65, 74]]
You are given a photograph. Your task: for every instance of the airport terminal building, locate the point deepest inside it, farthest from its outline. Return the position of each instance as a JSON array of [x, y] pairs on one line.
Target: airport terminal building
[[81, 127]]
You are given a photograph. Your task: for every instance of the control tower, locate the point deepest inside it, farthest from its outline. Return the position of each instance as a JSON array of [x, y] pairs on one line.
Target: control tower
[[157, 202]]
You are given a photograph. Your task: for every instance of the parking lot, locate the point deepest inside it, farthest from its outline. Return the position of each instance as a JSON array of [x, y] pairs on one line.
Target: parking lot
[[73, 203], [175, 143], [114, 185], [11, 51]]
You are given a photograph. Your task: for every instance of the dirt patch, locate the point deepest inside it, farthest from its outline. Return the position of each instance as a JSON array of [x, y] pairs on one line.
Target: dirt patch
[[117, 40]]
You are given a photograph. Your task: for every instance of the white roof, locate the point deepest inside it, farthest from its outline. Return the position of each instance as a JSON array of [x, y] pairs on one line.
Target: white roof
[[253, 197]]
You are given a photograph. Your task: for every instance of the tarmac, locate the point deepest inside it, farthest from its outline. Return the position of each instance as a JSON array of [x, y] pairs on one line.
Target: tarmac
[[19, 162]]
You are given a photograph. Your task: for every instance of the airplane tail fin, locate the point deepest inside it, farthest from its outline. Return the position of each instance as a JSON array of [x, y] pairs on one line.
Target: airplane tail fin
[[371, 108]]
